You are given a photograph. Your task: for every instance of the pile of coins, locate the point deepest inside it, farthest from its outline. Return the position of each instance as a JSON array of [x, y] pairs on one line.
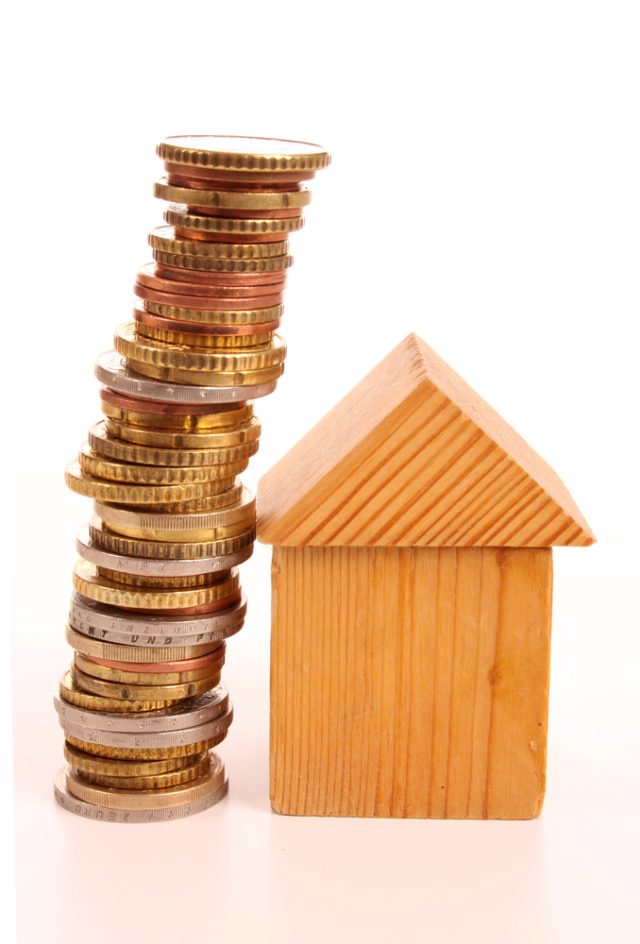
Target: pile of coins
[[156, 588]]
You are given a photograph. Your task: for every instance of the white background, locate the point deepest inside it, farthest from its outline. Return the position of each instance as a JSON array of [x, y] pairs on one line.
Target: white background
[[484, 192]]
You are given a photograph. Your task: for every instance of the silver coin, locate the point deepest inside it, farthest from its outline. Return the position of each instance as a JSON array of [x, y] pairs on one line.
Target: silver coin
[[91, 811], [200, 710], [111, 369], [152, 567], [163, 642], [96, 619], [141, 740]]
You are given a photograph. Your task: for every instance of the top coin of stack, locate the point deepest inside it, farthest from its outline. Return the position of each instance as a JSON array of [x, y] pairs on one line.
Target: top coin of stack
[[157, 589]]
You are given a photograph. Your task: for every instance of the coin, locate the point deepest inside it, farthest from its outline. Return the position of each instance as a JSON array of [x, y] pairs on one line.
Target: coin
[[223, 459], [179, 582], [128, 677], [93, 811], [112, 370], [225, 228], [216, 340], [232, 199], [146, 753], [240, 512], [130, 692], [187, 774], [90, 584], [138, 412], [93, 619], [85, 764], [243, 154], [212, 660], [127, 493], [214, 285], [144, 567], [202, 263], [147, 654], [218, 379], [179, 742], [186, 714], [222, 414], [164, 239], [208, 329], [153, 800], [226, 303], [270, 278], [243, 435], [69, 691], [175, 552], [159, 354], [99, 467]]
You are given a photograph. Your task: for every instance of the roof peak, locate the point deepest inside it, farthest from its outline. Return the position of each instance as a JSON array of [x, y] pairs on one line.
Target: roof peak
[[412, 456]]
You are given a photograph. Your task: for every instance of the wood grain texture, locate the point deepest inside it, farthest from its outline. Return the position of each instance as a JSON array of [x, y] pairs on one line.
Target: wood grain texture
[[410, 682], [414, 457]]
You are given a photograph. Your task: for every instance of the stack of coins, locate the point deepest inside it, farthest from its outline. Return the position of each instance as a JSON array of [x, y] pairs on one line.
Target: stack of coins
[[156, 588]]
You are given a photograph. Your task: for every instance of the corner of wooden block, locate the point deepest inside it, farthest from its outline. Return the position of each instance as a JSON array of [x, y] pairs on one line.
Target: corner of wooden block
[[278, 807]]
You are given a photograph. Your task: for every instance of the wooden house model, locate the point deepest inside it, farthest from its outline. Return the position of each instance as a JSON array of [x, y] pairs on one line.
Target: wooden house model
[[411, 613]]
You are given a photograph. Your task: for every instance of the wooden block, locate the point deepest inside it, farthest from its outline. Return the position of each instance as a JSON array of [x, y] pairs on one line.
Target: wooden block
[[414, 457], [410, 682]]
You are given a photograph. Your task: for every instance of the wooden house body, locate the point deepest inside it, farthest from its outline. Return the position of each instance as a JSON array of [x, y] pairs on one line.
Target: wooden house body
[[411, 603]]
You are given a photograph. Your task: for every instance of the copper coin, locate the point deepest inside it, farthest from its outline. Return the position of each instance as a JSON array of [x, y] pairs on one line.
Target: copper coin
[[170, 408], [231, 176], [232, 300], [287, 214], [185, 665], [184, 284], [277, 279], [194, 180], [192, 327], [228, 237]]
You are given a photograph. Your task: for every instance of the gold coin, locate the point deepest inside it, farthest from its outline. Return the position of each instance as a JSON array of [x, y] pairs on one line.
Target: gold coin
[[70, 692], [240, 153], [98, 467], [133, 494], [209, 503], [186, 422], [205, 378], [215, 341], [240, 437], [164, 239], [108, 540], [233, 199], [153, 782], [179, 216], [160, 799], [183, 537], [88, 583], [146, 753], [212, 264], [108, 674], [184, 357], [128, 692], [249, 316], [119, 652], [216, 460], [87, 764], [171, 583]]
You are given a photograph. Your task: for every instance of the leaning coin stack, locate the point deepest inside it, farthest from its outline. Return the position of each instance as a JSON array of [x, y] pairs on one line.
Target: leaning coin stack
[[156, 588]]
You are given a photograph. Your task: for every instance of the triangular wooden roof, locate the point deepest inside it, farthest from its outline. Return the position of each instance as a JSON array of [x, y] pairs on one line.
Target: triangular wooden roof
[[414, 457]]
